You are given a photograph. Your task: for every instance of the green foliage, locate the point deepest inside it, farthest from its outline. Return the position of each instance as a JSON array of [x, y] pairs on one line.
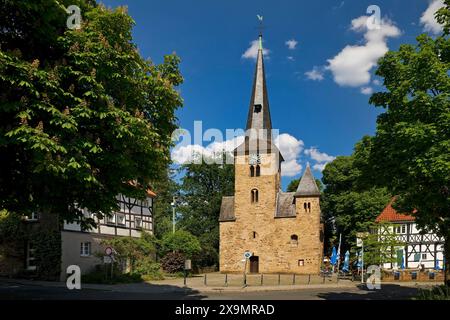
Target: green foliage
[[136, 252], [148, 269], [181, 241], [48, 253], [410, 152], [203, 186], [435, 293], [380, 246], [351, 199], [173, 262], [11, 227], [80, 110], [166, 188], [443, 16]]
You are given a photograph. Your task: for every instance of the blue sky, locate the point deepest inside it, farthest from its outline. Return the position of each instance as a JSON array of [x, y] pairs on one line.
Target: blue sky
[[321, 115]]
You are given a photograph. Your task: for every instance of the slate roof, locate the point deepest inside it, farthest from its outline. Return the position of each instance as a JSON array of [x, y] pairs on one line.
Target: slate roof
[[285, 205], [227, 209], [259, 120], [389, 214], [307, 186]]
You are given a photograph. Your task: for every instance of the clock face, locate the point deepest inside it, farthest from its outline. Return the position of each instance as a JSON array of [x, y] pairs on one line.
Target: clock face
[[254, 158]]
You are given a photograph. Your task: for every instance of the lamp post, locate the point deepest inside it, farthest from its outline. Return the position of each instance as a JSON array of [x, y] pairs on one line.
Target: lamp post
[[173, 204]]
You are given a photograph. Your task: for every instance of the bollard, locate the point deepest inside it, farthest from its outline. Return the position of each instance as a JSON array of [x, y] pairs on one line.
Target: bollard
[[204, 280], [293, 279], [226, 279], [262, 277], [323, 279], [309, 278], [279, 279]]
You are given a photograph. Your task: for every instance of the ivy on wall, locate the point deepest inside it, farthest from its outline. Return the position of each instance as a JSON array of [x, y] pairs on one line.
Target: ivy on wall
[[48, 253]]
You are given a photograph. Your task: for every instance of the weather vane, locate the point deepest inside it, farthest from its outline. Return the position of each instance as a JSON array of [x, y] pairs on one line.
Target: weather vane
[[260, 26]]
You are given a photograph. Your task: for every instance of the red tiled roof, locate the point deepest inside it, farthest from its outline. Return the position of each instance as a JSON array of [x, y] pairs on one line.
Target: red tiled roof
[[391, 215]]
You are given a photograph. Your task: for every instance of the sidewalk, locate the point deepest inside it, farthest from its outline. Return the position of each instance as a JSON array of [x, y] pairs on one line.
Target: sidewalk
[[176, 285]]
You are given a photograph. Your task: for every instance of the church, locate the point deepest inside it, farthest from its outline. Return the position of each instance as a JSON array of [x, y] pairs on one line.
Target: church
[[281, 232]]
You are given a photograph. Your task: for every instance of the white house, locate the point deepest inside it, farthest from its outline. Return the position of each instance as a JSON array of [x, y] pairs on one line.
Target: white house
[[421, 251]]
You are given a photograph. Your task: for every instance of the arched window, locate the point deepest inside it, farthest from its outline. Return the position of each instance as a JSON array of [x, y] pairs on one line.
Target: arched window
[[294, 239], [254, 195], [309, 206], [258, 170], [252, 171], [305, 206]]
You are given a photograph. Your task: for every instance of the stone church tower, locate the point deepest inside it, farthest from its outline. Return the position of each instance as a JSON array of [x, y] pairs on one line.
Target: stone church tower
[[282, 230]]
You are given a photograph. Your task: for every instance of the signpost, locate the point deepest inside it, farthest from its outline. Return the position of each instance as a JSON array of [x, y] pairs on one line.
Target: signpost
[[187, 266], [108, 258], [360, 243], [247, 255]]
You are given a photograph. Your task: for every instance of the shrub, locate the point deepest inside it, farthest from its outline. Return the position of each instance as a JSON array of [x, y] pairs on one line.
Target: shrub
[[173, 262], [101, 275], [435, 293], [149, 269], [180, 241]]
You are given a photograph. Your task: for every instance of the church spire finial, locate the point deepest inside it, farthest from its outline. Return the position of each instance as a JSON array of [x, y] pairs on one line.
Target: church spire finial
[[260, 27]]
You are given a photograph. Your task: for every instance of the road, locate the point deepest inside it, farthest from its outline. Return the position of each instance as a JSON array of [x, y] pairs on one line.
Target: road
[[18, 291]]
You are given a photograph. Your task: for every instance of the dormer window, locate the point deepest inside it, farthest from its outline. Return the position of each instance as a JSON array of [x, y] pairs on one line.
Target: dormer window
[[257, 108]]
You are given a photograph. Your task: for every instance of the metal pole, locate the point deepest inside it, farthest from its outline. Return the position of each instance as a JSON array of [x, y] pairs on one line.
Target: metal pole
[[226, 279], [362, 261], [339, 253], [204, 280], [173, 215]]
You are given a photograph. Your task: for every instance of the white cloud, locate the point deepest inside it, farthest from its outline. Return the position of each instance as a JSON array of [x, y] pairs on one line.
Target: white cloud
[[315, 74], [252, 51], [291, 58], [352, 66], [376, 82], [366, 90], [319, 166], [428, 20], [318, 156], [321, 158], [291, 44], [290, 148], [187, 153]]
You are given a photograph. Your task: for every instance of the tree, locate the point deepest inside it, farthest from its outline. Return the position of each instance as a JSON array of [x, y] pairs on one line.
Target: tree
[[351, 201], [410, 152], [81, 112], [202, 188], [180, 241], [381, 244], [133, 251]]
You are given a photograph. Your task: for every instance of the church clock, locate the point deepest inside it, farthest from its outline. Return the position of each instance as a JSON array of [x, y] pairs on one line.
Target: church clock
[[254, 158]]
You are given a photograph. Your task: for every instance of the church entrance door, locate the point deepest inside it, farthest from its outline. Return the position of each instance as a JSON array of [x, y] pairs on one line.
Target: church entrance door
[[254, 264]]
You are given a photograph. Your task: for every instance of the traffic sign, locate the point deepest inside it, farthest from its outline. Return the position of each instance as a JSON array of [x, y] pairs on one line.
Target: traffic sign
[[247, 254], [108, 251]]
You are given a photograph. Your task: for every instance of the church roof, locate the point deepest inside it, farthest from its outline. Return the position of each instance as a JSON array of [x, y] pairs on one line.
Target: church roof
[[285, 205], [227, 209], [259, 100], [307, 185], [389, 214], [258, 136]]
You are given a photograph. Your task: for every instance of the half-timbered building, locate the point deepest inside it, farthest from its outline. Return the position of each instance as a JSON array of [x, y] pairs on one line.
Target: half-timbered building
[[420, 250], [84, 248]]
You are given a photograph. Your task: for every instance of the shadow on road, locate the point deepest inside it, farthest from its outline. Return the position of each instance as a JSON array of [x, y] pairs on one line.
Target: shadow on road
[[387, 292], [20, 290]]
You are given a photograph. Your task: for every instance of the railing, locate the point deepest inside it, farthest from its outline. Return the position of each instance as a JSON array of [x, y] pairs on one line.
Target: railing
[[262, 279]]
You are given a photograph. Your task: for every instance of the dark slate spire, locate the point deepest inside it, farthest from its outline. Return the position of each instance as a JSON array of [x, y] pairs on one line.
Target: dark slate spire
[[258, 113], [307, 186]]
